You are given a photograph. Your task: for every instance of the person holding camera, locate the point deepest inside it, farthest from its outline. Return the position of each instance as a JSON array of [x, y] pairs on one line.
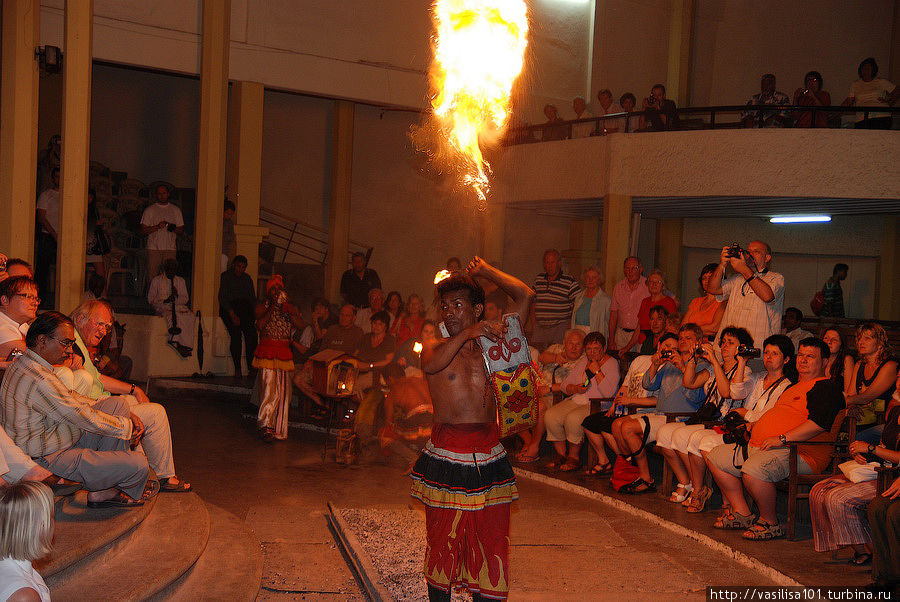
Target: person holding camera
[[660, 112], [161, 223], [755, 294]]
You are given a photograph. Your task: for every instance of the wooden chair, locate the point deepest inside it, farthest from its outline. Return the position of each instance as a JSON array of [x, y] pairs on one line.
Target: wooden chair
[[596, 402], [796, 481]]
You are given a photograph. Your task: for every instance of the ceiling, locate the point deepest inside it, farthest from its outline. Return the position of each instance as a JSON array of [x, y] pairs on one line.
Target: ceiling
[[763, 207]]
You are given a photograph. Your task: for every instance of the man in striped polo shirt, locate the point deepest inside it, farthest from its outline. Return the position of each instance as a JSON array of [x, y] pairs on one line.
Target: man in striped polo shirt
[[554, 302]]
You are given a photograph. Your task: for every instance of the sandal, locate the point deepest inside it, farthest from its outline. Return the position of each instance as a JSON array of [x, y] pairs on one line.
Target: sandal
[[860, 559], [120, 500], [699, 499], [599, 470], [734, 521], [166, 485], [557, 462], [638, 486], [677, 498], [526, 459], [569, 465], [763, 531]]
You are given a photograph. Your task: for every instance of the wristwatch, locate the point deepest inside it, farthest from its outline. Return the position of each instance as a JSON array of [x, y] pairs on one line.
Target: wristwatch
[[783, 439], [132, 390], [752, 276]]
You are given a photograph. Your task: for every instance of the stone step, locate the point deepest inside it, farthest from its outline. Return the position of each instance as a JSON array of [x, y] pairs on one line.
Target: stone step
[[229, 569], [152, 555]]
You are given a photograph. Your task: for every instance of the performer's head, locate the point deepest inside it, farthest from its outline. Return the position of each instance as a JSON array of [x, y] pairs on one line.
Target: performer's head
[[461, 302]]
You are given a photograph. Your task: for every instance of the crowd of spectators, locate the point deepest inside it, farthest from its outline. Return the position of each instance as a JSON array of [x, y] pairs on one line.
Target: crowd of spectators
[[656, 112]]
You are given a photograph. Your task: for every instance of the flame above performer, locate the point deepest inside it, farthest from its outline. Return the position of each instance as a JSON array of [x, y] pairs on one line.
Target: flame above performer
[[479, 51]]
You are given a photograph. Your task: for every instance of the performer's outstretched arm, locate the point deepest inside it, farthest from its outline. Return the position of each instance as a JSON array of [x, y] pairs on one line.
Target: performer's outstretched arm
[[521, 294]]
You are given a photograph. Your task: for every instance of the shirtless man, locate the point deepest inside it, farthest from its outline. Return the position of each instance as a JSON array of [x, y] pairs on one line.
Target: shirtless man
[[463, 475]]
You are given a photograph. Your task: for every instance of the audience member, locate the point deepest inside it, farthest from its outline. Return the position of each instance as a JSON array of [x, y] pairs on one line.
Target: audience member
[[411, 320], [92, 320], [633, 122], [237, 305], [582, 130], [805, 411], [375, 305], [161, 223], [393, 305], [596, 375], [13, 267], [871, 383], [168, 297], [871, 91], [884, 520], [591, 305], [706, 311], [659, 111], [790, 326], [811, 95], [358, 281], [656, 286], [556, 292], [624, 332], [833, 293], [277, 321], [755, 294], [311, 338], [18, 308], [837, 506], [674, 322], [658, 315], [49, 158], [26, 534], [345, 335], [767, 95], [71, 434], [839, 366], [229, 240], [685, 445], [454, 264], [407, 357], [47, 237], [665, 377], [607, 106], [374, 351], [554, 128]]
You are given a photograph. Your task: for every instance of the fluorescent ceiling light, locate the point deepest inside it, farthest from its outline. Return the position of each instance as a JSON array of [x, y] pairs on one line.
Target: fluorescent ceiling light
[[800, 219]]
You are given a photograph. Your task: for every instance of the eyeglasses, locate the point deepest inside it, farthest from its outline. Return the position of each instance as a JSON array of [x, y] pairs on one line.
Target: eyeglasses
[[29, 297], [67, 343]]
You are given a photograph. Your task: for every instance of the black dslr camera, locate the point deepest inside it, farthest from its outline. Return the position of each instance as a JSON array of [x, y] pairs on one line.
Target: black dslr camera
[[666, 353], [748, 352], [735, 250], [735, 429]]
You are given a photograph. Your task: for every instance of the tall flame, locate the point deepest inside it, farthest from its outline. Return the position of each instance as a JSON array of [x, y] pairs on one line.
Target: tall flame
[[479, 52]]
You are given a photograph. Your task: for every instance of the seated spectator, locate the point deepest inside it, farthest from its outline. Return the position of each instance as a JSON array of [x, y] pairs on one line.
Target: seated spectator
[[673, 323], [582, 130], [393, 305], [805, 411], [631, 123], [656, 285], [73, 435], [884, 520], [345, 335], [376, 304], [47, 237], [871, 91], [591, 307], [811, 95], [596, 375], [92, 320], [706, 311], [374, 352], [311, 338], [837, 506], [407, 357], [358, 281], [790, 326], [658, 316], [664, 377], [660, 113], [237, 304], [108, 356], [554, 128], [26, 534], [19, 267], [454, 264], [168, 297], [493, 309], [410, 321], [684, 445], [607, 106], [767, 95], [839, 366], [872, 379], [833, 293], [408, 413]]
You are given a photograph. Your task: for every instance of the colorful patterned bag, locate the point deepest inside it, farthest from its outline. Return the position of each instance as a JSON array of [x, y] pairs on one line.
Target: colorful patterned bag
[[512, 378]]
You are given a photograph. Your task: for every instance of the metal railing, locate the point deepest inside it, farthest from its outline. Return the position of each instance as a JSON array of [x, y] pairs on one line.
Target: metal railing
[[299, 242], [709, 118]]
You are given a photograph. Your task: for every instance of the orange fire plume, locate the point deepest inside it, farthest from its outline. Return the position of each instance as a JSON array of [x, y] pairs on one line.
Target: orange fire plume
[[479, 51]]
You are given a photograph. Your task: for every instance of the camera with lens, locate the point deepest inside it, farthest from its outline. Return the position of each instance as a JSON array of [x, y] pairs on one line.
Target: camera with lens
[[748, 352], [735, 250], [666, 353], [735, 429]]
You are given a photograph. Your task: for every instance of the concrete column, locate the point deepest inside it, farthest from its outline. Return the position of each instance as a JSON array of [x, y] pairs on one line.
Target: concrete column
[[75, 158], [615, 243], [894, 67], [584, 247], [211, 163], [18, 127], [681, 26], [669, 252], [339, 208], [493, 233], [887, 302], [245, 136]]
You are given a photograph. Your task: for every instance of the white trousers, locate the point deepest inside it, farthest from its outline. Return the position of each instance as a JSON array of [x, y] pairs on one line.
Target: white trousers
[[563, 421]]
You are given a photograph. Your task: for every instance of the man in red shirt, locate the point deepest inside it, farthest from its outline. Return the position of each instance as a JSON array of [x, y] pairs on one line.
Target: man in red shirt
[[805, 412]]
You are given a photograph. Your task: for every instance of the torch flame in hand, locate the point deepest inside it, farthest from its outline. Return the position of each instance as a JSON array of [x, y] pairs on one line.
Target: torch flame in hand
[[478, 54]]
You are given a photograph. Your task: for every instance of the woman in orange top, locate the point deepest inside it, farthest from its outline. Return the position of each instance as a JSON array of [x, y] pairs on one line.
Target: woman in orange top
[[705, 311]]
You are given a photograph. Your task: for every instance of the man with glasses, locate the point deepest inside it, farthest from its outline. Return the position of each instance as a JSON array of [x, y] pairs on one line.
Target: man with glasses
[[93, 319], [68, 433]]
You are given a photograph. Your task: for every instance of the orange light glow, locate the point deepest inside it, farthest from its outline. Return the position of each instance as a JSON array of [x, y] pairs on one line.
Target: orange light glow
[[417, 347], [479, 52], [442, 275]]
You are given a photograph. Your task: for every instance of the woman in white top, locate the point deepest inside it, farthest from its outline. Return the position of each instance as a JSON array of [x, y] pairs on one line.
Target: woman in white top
[[26, 534], [590, 312], [871, 91]]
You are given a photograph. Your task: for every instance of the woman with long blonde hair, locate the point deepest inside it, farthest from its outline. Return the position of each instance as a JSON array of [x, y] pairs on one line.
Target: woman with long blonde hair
[[26, 534]]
